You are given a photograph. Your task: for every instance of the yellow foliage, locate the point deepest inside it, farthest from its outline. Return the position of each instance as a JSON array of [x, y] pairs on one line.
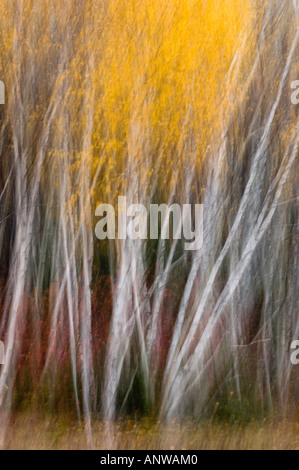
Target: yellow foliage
[[141, 85]]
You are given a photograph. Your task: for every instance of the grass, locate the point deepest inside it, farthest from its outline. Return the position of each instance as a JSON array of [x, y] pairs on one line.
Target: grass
[[33, 432]]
